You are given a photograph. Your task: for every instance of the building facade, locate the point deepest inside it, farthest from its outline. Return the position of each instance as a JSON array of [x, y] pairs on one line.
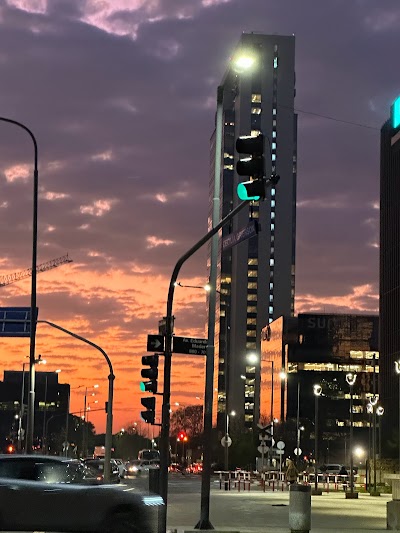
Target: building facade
[[389, 275], [255, 277], [51, 399], [321, 349]]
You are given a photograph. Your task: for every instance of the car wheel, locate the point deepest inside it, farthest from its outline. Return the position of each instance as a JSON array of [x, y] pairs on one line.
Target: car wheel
[[122, 522]]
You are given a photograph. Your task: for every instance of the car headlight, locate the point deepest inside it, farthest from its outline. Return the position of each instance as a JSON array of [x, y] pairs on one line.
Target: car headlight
[[133, 469]]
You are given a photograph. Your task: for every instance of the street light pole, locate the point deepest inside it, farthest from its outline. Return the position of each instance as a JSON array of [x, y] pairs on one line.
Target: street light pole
[[32, 334], [351, 379], [21, 410], [111, 377], [317, 394]]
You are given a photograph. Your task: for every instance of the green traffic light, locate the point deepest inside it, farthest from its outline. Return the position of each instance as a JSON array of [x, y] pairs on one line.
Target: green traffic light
[[142, 386], [243, 193]]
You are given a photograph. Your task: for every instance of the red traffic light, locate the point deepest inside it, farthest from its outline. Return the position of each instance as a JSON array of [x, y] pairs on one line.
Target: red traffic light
[[182, 436]]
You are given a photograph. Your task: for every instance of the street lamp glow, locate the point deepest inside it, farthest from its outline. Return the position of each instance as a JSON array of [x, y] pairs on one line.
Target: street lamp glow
[[243, 62], [96, 386], [252, 358], [282, 375], [207, 287], [359, 452], [58, 370], [242, 376], [317, 390], [380, 410], [351, 378], [232, 413]]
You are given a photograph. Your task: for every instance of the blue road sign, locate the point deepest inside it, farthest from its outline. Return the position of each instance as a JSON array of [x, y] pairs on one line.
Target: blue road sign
[[16, 321]]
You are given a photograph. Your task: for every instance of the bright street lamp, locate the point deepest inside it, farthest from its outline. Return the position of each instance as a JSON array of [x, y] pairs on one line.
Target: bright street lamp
[[252, 358]]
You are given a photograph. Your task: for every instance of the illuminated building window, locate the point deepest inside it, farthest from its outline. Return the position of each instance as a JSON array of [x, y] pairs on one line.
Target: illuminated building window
[[228, 156], [252, 261], [228, 167], [273, 215], [252, 297], [272, 203], [270, 309], [274, 123], [252, 309], [252, 321], [251, 333], [271, 261], [256, 98], [256, 214], [272, 227], [340, 423], [273, 191], [271, 297], [273, 146], [254, 133], [252, 285], [274, 134], [256, 110], [274, 111], [271, 286], [251, 345], [273, 157], [275, 62]]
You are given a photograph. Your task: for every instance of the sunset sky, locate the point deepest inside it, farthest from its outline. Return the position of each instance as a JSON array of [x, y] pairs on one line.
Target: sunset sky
[[121, 97]]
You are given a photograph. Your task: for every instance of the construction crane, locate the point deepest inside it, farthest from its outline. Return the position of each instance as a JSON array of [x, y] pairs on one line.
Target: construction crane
[[54, 263]]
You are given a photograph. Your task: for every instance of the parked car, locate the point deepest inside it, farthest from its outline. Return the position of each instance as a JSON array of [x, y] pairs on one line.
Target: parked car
[[331, 468], [121, 468], [98, 465], [42, 493]]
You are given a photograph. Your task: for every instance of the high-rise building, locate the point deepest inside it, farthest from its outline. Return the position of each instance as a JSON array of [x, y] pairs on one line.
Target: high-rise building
[[389, 277], [256, 278], [320, 349]]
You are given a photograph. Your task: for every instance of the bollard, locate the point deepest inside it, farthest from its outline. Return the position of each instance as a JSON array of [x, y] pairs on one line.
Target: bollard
[[300, 508]]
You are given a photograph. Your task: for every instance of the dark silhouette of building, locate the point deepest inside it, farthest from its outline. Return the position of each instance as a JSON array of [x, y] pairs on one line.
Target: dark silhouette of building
[[52, 398], [389, 275]]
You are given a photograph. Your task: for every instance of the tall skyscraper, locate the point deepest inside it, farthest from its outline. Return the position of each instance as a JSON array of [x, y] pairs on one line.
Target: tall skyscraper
[[389, 277], [256, 278]]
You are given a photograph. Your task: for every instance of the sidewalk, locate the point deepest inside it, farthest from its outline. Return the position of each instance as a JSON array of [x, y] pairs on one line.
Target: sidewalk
[[259, 512]]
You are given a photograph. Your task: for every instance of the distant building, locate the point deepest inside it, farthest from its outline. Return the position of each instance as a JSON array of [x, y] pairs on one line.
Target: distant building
[[256, 278], [51, 399], [389, 276], [321, 349]]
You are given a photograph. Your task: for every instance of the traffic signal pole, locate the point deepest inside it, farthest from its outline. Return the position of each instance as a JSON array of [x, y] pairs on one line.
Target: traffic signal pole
[[165, 419]]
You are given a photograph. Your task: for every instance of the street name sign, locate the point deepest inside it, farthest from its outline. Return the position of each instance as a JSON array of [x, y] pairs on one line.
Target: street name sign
[[155, 343], [189, 346], [241, 235], [16, 321]]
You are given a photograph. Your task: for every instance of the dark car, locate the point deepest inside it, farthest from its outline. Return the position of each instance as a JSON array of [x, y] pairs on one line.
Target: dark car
[[98, 466], [41, 493]]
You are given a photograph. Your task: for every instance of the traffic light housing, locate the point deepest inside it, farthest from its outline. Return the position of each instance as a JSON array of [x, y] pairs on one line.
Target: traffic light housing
[[253, 166], [182, 436], [150, 414], [150, 373]]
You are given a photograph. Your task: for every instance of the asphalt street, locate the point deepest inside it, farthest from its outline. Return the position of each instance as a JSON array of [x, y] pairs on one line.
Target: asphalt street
[[256, 511]]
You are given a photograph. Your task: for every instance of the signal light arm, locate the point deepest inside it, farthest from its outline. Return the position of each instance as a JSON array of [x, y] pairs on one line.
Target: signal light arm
[[165, 420]]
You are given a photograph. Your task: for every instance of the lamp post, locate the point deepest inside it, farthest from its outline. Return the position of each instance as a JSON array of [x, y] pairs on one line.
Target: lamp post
[[375, 410], [111, 377], [32, 333], [351, 379], [397, 368], [38, 361], [317, 394]]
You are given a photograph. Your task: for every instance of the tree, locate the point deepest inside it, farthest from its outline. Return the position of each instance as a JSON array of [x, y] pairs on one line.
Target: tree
[[189, 419]]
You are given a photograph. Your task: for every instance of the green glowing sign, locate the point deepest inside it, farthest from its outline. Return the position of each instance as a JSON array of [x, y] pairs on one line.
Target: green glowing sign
[[396, 113]]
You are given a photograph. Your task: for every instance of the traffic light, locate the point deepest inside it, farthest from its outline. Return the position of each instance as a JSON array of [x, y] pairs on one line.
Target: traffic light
[[253, 166], [182, 436], [150, 414], [149, 373]]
